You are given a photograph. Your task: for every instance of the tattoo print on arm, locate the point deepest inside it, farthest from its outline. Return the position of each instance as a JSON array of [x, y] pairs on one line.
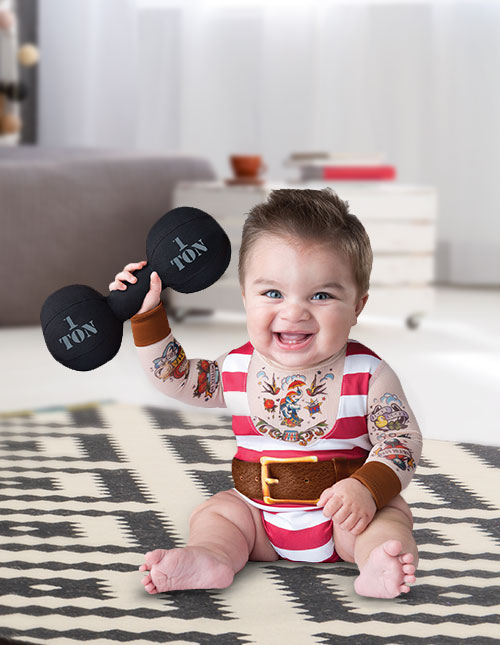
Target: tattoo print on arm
[[388, 417], [208, 379], [172, 363]]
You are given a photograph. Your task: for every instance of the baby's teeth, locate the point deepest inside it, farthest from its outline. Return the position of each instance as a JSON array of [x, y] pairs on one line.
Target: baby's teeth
[[292, 338]]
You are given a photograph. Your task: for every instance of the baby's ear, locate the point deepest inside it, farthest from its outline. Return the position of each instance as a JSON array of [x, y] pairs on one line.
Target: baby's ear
[[360, 305]]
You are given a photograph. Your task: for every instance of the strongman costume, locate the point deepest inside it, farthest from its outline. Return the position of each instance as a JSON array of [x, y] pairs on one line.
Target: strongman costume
[[298, 532], [356, 423]]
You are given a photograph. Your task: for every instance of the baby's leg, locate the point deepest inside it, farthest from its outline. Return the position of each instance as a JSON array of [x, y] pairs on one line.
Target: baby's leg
[[385, 552], [224, 533]]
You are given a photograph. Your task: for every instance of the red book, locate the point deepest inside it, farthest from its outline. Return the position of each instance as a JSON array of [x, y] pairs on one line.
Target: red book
[[359, 172]]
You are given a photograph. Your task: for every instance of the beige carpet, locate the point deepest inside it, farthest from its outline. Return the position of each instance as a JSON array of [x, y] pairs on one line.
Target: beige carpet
[[85, 491]]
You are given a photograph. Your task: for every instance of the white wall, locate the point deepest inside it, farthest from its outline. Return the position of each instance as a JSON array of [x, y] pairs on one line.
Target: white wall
[[417, 82]]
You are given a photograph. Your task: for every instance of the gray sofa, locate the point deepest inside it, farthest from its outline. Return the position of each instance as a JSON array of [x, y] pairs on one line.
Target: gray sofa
[[72, 216]]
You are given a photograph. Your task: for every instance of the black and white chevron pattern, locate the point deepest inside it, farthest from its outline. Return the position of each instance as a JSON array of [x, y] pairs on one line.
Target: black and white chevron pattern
[[85, 491]]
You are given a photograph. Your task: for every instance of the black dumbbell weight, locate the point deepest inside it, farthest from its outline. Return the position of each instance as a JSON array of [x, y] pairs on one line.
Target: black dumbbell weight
[[83, 329]]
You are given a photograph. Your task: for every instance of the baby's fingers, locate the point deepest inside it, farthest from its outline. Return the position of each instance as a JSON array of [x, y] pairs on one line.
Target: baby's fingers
[[348, 523], [359, 527], [332, 506], [324, 497], [123, 275], [134, 266], [126, 275]]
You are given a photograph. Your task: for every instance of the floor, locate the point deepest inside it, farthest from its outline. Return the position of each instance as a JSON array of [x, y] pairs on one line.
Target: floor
[[448, 365]]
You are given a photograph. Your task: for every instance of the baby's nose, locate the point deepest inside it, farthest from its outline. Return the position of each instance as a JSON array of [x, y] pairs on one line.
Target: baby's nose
[[295, 311]]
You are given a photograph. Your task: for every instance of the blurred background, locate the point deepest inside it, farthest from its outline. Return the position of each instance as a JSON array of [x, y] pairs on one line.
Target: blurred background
[[111, 113]]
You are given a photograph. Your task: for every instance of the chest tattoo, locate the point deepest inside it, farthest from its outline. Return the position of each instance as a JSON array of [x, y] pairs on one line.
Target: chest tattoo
[[291, 402]]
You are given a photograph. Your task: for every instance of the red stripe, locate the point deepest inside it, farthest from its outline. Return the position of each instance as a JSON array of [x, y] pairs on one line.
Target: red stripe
[[356, 383], [348, 428], [358, 348], [245, 454], [310, 538], [234, 381], [303, 538], [247, 348], [242, 425]]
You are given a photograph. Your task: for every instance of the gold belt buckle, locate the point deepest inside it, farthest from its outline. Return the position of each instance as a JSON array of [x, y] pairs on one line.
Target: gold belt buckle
[[266, 480]]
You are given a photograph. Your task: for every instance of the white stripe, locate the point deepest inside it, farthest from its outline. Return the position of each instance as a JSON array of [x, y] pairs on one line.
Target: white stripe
[[236, 363], [296, 521], [262, 444], [359, 363], [318, 554], [237, 403], [352, 405], [266, 507]]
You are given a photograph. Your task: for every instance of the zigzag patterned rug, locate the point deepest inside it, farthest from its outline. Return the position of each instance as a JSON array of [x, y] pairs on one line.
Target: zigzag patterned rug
[[85, 491]]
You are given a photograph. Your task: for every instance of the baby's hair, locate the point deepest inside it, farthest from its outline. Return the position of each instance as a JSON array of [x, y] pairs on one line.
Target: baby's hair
[[310, 215]]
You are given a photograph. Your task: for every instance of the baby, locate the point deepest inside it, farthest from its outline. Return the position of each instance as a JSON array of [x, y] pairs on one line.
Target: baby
[[325, 437]]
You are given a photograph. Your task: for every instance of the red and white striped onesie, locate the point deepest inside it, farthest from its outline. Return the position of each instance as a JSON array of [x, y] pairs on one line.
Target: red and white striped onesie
[[301, 533], [355, 408]]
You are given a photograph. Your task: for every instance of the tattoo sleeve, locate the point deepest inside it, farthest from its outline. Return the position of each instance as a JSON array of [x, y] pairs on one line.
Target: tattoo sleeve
[[389, 423], [172, 364]]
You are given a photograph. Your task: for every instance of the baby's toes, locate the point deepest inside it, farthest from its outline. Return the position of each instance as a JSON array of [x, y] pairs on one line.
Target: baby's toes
[[406, 558], [143, 567], [149, 584], [152, 557]]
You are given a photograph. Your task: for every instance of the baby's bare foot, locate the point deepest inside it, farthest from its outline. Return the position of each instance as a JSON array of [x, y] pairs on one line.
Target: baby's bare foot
[[386, 572], [190, 567]]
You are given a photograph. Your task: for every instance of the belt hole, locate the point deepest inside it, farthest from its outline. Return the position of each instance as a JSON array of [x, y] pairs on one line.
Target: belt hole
[[241, 477], [306, 480], [257, 479]]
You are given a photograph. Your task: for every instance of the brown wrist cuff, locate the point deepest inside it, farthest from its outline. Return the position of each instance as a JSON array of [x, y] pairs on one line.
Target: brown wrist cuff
[[150, 327], [381, 481]]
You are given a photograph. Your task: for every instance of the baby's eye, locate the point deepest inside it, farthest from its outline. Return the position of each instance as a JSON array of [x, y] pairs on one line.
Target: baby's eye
[[272, 293], [321, 295]]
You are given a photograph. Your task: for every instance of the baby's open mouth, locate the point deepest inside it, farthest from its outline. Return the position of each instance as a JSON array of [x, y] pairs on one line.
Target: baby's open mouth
[[292, 340]]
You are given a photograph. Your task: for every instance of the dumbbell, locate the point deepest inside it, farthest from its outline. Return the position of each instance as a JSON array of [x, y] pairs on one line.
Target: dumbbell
[[83, 329]]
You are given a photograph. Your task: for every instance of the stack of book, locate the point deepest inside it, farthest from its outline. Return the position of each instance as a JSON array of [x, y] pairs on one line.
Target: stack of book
[[317, 166]]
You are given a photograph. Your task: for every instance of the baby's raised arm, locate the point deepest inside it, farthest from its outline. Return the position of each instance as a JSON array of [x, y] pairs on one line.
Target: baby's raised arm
[[192, 381]]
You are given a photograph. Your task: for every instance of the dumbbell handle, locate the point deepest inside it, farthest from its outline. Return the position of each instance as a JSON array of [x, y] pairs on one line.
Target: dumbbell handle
[[124, 304]]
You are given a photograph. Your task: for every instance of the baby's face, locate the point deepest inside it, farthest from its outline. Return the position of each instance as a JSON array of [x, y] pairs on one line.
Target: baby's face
[[301, 300]]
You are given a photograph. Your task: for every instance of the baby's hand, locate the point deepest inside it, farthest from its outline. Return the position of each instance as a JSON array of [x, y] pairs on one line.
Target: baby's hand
[[152, 298], [349, 504]]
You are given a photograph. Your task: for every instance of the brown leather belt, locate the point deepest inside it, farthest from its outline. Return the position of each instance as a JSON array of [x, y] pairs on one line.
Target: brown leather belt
[[295, 480]]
